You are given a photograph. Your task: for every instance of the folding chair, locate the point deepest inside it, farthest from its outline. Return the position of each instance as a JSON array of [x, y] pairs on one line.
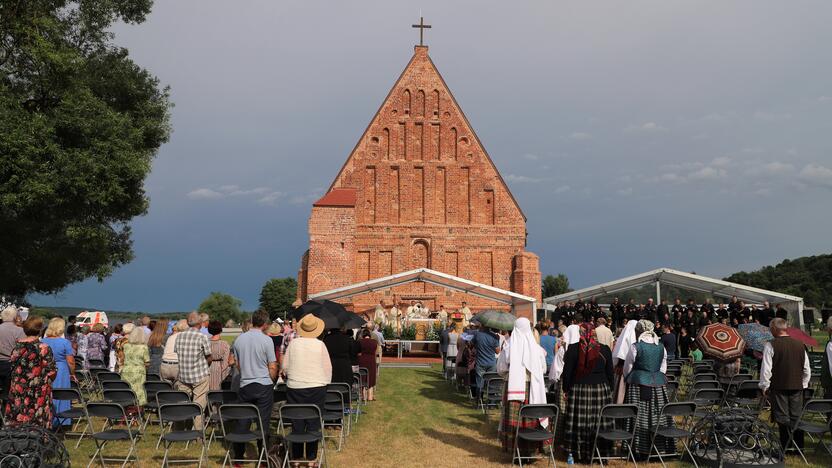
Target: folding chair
[[703, 384], [747, 397], [672, 389], [151, 407], [678, 412], [356, 396], [616, 413], [492, 396], [536, 434], [115, 385], [450, 368], [333, 415], [705, 376], [112, 413], [813, 420], [298, 412], [707, 399], [735, 382], [346, 391], [181, 413], [96, 363], [74, 413], [217, 398], [153, 378], [231, 414], [168, 397], [364, 380], [127, 399], [485, 377]]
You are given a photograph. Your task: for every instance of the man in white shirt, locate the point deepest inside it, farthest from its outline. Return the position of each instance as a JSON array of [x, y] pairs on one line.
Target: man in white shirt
[[603, 334], [784, 373]]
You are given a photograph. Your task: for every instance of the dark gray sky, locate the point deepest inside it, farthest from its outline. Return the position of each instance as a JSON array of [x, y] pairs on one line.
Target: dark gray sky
[[635, 135]]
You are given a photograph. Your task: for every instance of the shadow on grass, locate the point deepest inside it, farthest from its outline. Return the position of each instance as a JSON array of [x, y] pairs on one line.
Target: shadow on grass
[[437, 388], [474, 446]]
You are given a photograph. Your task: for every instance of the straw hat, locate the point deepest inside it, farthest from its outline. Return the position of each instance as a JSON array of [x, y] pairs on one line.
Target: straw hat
[[274, 329], [310, 326]]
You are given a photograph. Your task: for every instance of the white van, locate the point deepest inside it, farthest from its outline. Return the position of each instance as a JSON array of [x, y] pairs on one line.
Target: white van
[[88, 319]]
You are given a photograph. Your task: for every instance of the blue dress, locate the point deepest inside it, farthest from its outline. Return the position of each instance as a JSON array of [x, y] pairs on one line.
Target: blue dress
[[61, 348]]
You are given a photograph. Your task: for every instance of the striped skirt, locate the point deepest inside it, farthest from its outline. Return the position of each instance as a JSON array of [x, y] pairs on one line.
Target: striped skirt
[[583, 404], [648, 418], [510, 421]]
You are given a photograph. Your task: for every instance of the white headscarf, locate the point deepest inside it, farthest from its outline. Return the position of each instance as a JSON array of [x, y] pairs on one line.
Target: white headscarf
[[623, 343], [524, 354], [647, 334]]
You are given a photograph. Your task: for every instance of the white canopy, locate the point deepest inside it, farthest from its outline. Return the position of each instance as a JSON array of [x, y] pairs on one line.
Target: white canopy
[[518, 302], [689, 281]]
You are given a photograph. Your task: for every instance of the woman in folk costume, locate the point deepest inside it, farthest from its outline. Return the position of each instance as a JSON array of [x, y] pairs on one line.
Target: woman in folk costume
[[644, 371], [571, 336], [587, 383], [523, 362], [620, 350]]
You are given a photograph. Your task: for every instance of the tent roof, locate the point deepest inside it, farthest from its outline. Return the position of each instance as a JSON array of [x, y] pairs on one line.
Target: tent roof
[[427, 275], [690, 281]]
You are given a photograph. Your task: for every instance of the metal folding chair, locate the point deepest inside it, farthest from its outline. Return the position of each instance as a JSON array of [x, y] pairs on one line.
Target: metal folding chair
[[303, 412], [168, 397], [75, 413], [813, 420], [536, 434], [230, 416], [707, 400], [151, 407], [112, 413], [680, 412], [115, 385], [748, 397], [333, 415], [672, 387], [346, 391], [217, 398], [181, 413], [128, 400], [618, 413], [150, 377], [492, 395], [702, 376]]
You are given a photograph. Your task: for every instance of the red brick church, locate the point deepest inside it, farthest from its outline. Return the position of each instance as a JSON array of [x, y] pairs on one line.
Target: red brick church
[[418, 190]]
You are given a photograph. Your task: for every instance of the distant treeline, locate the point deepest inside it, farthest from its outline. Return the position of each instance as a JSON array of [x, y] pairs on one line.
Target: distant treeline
[[113, 315], [806, 277]]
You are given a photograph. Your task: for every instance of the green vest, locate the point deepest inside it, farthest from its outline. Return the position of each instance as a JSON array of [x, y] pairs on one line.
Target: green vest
[[647, 368]]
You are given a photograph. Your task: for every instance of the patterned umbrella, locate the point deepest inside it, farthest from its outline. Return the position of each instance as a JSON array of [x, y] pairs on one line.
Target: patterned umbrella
[[496, 319], [755, 335], [802, 336], [720, 342]]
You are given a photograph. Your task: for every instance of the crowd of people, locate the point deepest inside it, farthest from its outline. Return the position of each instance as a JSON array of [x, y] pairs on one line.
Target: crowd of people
[[37, 356], [587, 364]]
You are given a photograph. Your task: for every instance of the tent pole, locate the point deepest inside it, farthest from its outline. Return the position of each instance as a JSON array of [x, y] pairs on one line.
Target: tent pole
[[658, 292]]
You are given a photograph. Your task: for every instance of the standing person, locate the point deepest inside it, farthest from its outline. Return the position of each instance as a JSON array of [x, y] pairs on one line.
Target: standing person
[[619, 355], [685, 343], [522, 363], [784, 373], [205, 319], [443, 346], [194, 354], [156, 346], [603, 334], [254, 355], [781, 312], [548, 343], [10, 332], [367, 348], [220, 354], [64, 364], [169, 368], [453, 339], [587, 382], [645, 369], [487, 346], [343, 351], [118, 345], [617, 314], [111, 340], [81, 345], [30, 386], [97, 348], [145, 321], [826, 365], [466, 314], [136, 360], [308, 371], [669, 342]]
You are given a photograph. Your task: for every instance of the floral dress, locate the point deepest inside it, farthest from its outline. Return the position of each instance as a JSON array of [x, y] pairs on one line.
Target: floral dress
[[30, 386], [136, 358]]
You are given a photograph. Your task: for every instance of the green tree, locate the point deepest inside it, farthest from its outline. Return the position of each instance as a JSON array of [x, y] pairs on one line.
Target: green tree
[[222, 307], [554, 285], [277, 296], [80, 124]]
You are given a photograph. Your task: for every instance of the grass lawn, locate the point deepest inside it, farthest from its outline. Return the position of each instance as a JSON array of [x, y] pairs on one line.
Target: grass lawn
[[418, 420]]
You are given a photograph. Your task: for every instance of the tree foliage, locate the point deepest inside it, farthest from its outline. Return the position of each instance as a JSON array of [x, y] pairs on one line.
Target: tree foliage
[[277, 296], [222, 307], [554, 285], [806, 277], [79, 126]]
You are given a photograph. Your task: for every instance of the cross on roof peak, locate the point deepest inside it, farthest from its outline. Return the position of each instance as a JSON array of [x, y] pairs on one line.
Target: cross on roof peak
[[421, 26]]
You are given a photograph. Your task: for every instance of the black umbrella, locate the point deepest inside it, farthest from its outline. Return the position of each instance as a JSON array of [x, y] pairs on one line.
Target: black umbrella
[[332, 313]]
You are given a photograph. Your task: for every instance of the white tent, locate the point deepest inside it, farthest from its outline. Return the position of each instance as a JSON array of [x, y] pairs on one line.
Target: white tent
[[520, 304], [689, 281]]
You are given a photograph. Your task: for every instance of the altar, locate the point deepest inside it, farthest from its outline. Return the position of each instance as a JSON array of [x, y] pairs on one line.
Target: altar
[[423, 326]]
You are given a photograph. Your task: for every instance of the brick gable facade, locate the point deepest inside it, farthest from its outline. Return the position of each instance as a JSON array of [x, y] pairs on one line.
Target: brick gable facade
[[418, 190]]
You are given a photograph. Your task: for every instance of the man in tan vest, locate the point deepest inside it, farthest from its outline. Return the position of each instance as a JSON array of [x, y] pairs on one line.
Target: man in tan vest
[[784, 373]]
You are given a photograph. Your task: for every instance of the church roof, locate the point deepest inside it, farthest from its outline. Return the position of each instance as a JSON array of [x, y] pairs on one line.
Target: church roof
[[421, 54], [344, 197]]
